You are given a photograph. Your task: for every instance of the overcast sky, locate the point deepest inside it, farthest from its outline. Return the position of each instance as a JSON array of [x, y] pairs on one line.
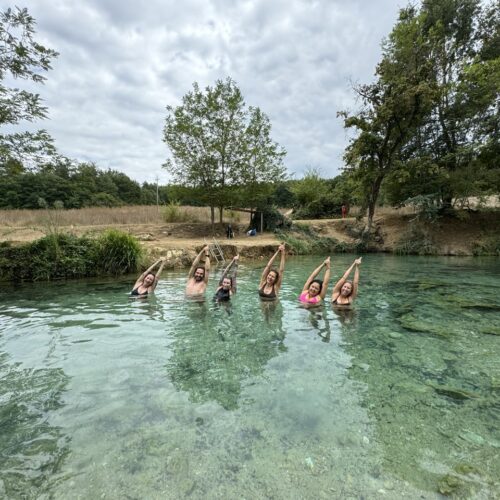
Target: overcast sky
[[121, 63]]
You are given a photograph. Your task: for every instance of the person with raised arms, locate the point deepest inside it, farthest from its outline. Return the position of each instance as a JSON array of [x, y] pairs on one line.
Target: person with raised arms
[[271, 279], [314, 289], [227, 282], [147, 281], [198, 275], [345, 292]]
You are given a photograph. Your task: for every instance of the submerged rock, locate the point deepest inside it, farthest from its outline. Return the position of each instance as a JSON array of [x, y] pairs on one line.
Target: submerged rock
[[451, 392], [410, 322]]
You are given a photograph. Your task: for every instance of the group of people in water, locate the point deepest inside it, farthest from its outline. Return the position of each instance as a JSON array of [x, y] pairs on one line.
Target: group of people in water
[[313, 292]]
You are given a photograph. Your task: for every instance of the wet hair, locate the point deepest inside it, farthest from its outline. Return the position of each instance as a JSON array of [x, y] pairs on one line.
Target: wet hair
[[319, 282], [226, 278], [200, 267]]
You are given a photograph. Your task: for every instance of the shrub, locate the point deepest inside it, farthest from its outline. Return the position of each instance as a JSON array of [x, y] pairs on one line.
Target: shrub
[[487, 246], [415, 241], [117, 252], [174, 213], [58, 256]]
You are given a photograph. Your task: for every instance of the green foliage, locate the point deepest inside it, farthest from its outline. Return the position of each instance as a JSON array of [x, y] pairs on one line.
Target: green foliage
[[272, 219], [487, 246], [174, 213], [429, 124], [216, 143], [302, 240], [22, 57], [73, 185], [59, 256], [415, 241], [117, 252]]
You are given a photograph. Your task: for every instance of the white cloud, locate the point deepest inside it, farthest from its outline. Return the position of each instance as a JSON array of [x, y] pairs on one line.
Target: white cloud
[[121, 64]]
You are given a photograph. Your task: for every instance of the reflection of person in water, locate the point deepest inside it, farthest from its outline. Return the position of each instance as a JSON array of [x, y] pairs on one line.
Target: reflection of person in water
[[198, 275], [345, 292], [270, 281], [316, 315], [314, 290], [147, 281], [227, 282]]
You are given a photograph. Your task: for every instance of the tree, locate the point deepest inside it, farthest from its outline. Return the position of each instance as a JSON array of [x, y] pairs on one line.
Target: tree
[[21, 57], [216, 144], [393, 107]]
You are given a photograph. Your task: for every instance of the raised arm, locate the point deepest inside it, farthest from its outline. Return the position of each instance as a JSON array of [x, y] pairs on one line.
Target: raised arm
[[326, 278], [158, 273], [312, 276], [207, 265], [341, 281], [281, 248], [140, 279], [196, 261], [355, 281], [266, 270]]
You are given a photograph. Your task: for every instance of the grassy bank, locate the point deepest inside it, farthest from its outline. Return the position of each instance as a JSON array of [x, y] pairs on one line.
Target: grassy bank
[[60, 255]]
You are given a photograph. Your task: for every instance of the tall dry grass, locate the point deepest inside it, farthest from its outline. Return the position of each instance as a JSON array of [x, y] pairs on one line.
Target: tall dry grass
[[103, 216]]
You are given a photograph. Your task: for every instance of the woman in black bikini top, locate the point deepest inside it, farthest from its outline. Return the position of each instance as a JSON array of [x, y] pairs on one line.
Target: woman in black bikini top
[[227, 282], [147, 281], [345, 291], [270, 281]]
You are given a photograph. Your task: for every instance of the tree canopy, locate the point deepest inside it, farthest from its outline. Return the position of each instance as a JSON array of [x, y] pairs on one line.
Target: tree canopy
[[221, 147], [22, 57]]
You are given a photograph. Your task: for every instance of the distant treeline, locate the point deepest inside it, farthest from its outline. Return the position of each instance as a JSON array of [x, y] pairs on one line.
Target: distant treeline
[[73, 186]]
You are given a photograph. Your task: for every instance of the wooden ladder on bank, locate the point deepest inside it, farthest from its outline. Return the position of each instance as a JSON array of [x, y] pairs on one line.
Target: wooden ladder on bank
[[216, 251]]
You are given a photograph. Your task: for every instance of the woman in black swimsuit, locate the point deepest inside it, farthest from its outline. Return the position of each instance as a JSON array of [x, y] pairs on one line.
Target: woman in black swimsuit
[[270, 281], [345, 291], [147, 281], [227, 282]]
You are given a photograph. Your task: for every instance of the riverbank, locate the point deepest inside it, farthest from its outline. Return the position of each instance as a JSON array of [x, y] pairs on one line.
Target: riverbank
[[467, 233]]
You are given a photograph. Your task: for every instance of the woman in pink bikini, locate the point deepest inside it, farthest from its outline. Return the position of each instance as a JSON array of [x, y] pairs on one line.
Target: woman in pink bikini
[[314, 290]]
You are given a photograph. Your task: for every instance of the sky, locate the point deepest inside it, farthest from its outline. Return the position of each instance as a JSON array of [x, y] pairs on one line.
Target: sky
[[121, 63]]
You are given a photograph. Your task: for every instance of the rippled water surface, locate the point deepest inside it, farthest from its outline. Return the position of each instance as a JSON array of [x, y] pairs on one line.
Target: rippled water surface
[[106, 397]]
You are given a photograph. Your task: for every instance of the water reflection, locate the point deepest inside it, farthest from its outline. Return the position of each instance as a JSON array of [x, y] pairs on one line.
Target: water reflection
[[32, 450], [216, 347]]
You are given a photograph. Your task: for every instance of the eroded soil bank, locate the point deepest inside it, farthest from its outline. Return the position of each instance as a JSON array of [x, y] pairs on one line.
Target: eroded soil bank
[[179, 242]]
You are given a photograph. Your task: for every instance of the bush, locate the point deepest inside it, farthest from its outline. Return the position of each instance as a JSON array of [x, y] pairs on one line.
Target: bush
[[415, 241], [60, 255], [174, 213], [487, 246], [117, 252]]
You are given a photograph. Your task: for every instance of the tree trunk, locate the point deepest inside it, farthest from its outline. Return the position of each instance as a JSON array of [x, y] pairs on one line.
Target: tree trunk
[[221, 213], [212, 217], [372, 202]]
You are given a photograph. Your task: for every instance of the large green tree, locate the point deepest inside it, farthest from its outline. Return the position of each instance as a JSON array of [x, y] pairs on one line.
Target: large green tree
[[22, 58], [218, 144], [393, 107]]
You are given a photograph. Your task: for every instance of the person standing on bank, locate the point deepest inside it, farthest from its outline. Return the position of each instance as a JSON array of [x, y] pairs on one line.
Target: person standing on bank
[[314, 290], [198, 275], [147, 281], [345, 292], [270, 281]]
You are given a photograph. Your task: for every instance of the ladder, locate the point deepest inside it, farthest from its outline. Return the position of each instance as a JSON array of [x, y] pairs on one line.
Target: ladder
[[216, 251]]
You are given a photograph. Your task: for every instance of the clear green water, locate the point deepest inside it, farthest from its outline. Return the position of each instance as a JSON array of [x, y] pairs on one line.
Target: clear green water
[[106, 397]]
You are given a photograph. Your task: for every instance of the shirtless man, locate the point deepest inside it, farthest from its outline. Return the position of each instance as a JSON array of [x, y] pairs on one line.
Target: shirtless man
[[198, 275]]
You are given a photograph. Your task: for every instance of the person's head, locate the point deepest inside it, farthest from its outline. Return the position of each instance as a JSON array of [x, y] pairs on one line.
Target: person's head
[[346, 289], [149, 279], [315, 288], [199, 273], [227, 283], [272, 277]]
